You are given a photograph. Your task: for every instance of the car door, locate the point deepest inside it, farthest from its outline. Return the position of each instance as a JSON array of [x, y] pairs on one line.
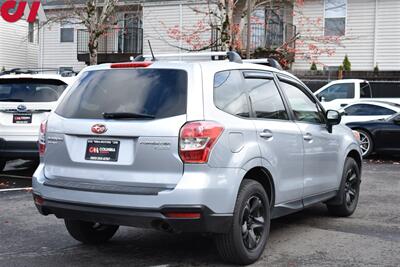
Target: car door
[[388, 136], [279, 138], [321, 148]]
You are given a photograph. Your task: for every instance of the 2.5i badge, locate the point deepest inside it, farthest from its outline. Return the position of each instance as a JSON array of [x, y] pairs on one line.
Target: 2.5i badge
[[102, 150]]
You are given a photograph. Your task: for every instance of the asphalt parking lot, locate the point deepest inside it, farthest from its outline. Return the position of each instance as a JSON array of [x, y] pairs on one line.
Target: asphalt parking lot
[[371, 237]]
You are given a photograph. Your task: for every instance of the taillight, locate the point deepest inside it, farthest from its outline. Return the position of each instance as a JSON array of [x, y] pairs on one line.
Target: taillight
[[197, 139], [140, 64], [42, 138]]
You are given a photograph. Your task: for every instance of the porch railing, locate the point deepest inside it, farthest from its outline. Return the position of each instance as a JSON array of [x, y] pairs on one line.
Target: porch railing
[[271, 36], [114, 41]]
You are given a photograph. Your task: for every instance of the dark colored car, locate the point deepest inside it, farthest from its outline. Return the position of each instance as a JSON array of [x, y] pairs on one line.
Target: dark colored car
[[379, 135]]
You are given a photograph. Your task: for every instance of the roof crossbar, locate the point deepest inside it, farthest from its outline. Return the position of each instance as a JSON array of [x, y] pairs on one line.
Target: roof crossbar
[[230, 55]]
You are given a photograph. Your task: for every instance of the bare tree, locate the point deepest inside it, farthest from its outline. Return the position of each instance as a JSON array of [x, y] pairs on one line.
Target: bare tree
[[97, 16]]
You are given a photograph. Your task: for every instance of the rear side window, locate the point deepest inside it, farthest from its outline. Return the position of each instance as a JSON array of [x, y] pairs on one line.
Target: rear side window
[[365, 90], [30, 90], [229, 94], [367, 110], [265, 99], [160, 93]]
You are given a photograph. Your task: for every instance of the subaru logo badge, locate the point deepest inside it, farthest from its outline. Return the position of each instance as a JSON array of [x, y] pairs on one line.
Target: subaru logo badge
[[21, 108], [99, 129]]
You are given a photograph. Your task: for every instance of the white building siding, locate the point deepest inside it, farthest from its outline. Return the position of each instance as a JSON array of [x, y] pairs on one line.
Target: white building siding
[[54, 53], [388, 35], [358, 43], [159, 18], [15, 51]]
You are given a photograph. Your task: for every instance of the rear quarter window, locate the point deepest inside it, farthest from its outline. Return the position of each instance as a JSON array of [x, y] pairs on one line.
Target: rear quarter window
[[229, 93], [160, 93]]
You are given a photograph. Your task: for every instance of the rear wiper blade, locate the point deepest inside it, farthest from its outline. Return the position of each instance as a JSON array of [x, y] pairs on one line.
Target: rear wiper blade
[[126, 115], [11, 100]]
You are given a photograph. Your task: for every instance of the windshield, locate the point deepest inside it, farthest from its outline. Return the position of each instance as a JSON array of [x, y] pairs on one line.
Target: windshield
[[133, 93], [30, 90]]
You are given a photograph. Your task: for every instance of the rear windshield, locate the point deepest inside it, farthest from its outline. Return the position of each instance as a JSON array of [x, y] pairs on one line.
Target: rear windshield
[[156, 92], [30, 90]]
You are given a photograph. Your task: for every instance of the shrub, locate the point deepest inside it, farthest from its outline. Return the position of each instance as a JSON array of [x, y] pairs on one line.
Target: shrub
[[346, 64], [313, 66], [376, 69]]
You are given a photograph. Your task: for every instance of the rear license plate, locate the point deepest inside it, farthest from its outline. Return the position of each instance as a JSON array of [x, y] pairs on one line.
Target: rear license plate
[[102, 150], [23, 118]]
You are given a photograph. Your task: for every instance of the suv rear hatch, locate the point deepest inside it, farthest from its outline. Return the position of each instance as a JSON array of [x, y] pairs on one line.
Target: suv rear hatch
[[117, 129], [25, 103]]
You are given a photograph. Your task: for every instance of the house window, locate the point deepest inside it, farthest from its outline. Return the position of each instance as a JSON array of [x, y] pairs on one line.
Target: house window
[[31, 32], [66, 32], [335, 17]]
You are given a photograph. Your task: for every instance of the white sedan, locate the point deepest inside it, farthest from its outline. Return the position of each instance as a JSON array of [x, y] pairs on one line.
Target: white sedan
[[368, 111]]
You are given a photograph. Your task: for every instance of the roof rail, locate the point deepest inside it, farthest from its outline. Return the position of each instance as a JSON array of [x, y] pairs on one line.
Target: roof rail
[[265, 61], [64, 73], [231, 55]]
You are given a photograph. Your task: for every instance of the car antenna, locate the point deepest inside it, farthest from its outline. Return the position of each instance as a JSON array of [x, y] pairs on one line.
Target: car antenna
[[151, 50]]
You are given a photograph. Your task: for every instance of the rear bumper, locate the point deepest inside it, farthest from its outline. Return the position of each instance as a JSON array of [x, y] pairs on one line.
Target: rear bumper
[[206, 222], [215, 188], [18, 149]]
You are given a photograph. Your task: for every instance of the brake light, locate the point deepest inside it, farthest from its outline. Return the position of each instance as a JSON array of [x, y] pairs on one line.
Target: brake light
[[42, 138], [141, 64], [197, 140]]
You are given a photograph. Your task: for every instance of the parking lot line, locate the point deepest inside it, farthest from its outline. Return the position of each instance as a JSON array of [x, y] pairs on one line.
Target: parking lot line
[[16, 189]]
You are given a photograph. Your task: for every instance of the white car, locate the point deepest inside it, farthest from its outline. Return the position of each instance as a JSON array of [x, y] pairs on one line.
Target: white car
[[26, 98], [368, 111], [338, 94]]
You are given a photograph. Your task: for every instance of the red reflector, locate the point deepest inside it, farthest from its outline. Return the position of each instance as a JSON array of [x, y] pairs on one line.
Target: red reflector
[[141, 64], [38, 200], [183, 215]]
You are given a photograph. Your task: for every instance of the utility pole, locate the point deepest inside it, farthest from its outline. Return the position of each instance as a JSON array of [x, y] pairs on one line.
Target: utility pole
[[248, 44]]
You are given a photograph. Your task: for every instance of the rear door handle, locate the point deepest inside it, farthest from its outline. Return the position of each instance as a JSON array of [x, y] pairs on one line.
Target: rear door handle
[[267, 134], [308, 137]]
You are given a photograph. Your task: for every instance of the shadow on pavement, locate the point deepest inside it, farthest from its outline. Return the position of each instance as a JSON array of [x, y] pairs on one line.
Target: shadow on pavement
[[17, 174]]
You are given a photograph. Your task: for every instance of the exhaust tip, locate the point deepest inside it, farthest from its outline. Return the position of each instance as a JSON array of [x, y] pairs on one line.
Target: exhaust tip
[[162, 226]]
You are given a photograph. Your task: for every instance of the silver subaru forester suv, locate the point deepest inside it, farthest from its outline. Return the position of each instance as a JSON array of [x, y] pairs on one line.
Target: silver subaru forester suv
[[218, 147]]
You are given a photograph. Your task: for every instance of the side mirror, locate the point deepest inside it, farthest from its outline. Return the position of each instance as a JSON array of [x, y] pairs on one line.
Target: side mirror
[[396, 120], [333, 117]]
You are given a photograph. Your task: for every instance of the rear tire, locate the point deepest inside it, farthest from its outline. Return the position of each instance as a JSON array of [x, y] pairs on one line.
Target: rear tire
[[245, 242], [350, 190], [89, 232]]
